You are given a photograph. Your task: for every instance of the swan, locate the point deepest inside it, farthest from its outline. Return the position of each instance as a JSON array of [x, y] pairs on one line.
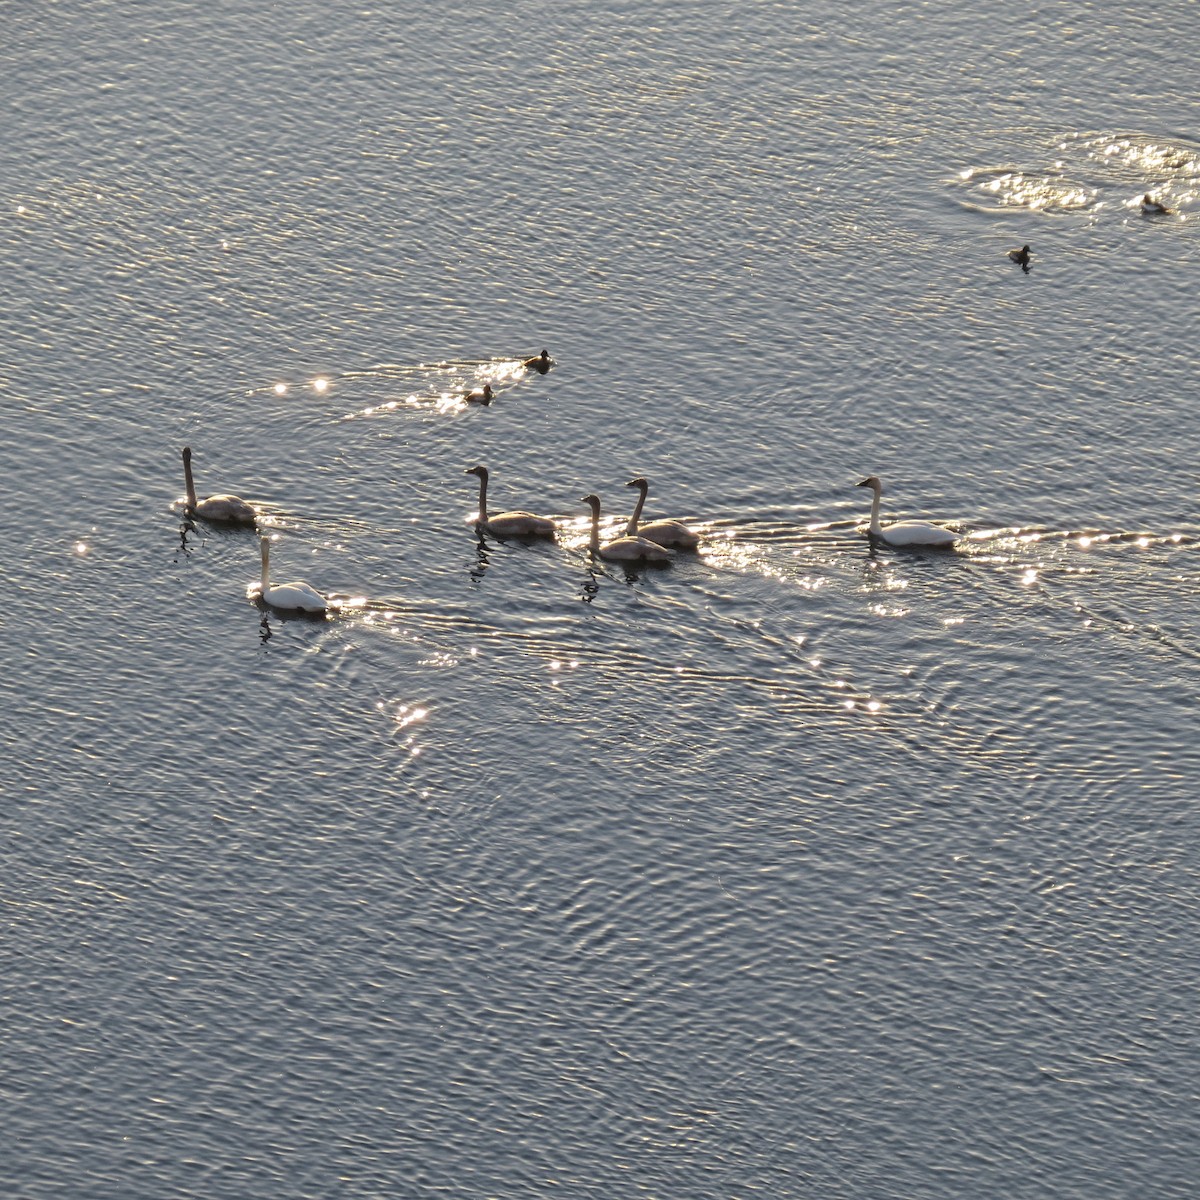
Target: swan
[[623, 549], [665, 533], [539, 363], [1152, 208], [905, 533], [1021, 256], [507, 524], [483, 395], [301, 596], [215, 508]]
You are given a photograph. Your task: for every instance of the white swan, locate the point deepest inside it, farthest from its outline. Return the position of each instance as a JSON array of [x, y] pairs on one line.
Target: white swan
[[665, 533], [905, 533], [215, 508], [508, 524], [623, 549], [295, 596], [1153, 208]]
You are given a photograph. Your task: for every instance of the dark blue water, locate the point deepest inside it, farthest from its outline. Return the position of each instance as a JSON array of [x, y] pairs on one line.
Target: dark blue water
[[796, 868]]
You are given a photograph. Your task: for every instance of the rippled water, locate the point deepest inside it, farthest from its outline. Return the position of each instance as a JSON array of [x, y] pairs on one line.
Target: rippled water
[[796, 868]]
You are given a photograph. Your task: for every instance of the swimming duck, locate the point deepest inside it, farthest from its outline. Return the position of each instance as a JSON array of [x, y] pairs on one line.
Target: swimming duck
[[539, 363], [1152, 208], [1021, 256], [483, 395]]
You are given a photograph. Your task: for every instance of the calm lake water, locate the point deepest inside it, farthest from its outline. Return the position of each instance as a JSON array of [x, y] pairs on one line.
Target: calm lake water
[[797, 868]]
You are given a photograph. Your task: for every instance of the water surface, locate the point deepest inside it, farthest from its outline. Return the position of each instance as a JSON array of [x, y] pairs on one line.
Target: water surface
[[797, 868]]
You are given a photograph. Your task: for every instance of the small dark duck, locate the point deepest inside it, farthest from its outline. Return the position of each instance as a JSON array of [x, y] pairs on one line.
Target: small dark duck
[[1022, 257], [1152, 208]]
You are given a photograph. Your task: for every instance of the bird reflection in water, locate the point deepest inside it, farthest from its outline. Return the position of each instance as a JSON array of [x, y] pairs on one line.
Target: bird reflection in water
[[264, 630], [591, 586], [481, 560], [185, 528], [632, 572]]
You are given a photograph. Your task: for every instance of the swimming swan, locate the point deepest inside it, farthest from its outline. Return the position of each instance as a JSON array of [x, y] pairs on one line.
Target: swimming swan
[[215, 508], [295, 596], [1152, 207], [623, 549], [539, 363], [508, 524], [905, 533], [665, 533]]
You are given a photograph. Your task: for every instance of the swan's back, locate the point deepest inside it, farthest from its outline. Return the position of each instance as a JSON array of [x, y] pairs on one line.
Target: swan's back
[[520, 524], [301, 597], [670, 533], [226, 508], [918, 533], [635, 549]]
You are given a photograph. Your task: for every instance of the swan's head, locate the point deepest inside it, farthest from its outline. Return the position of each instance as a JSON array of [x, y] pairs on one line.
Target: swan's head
[[482, 472], [187, 454], [871, 481], [639, 482], [593, 500]]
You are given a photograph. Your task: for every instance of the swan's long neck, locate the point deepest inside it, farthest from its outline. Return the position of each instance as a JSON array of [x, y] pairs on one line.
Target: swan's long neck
[[876, 493], [266, 565], [632, 528], [187, 479], [594, 544], [483, 500]]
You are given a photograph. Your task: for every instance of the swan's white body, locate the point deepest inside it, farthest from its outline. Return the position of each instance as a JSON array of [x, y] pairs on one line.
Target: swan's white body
[[623, 549], [232, 509], [517, 523], [1152, 208], [905, 533], [665, 533], [301, 597]]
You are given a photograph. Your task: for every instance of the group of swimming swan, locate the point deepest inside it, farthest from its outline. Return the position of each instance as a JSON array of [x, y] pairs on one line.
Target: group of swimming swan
[[1150, 208], [651, 542]]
